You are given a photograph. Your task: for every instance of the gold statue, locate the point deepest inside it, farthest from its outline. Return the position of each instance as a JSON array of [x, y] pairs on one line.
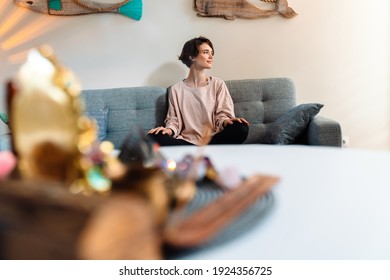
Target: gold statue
[[51, 136], [45, 112]]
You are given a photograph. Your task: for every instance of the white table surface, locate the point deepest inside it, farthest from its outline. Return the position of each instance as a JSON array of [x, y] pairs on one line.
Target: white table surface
[[330, 204]]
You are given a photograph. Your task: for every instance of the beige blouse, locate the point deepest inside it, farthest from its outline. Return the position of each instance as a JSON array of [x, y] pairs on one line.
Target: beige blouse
[[196, 114]]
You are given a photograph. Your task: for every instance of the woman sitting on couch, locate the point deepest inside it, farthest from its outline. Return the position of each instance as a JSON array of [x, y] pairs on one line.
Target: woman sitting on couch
[[200, 109]]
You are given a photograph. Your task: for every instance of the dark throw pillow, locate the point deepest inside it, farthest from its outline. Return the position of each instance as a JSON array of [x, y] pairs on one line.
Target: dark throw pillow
[[100, 115], [291, 124]]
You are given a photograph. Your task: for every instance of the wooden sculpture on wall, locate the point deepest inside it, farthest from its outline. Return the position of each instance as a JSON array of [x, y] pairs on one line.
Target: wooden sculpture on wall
[[231, 9], [129, 8]]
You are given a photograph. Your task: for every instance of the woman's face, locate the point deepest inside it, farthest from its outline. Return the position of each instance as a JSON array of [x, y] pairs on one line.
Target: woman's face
[[205, 57]]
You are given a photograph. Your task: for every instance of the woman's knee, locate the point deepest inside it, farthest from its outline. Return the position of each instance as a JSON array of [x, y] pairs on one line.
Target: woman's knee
[[236, 132], [242, 131], [239, 128]]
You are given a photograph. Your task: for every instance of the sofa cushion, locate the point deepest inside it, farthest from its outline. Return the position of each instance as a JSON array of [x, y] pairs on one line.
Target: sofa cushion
[[145, 107], [100, 116], [291, 124], [261, 102]]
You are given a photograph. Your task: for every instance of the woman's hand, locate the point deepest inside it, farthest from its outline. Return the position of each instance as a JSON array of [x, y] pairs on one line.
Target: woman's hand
[[231, 120], [161, 129]]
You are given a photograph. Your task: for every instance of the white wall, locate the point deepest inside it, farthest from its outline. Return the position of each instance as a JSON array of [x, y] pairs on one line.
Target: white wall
[[337, 52]]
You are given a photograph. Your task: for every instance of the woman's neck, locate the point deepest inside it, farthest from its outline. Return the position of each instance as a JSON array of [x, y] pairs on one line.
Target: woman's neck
[[197, 79]]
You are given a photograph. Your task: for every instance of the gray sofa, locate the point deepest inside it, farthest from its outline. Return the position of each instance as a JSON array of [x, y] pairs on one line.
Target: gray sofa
[[261, 101]]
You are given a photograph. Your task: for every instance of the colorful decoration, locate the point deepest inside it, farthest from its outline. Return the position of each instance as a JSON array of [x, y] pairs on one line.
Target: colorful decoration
[[129, 8], [231, 9]]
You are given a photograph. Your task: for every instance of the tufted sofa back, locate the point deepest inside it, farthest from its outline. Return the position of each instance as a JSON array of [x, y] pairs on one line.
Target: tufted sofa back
[[260, 101], [128, 107]]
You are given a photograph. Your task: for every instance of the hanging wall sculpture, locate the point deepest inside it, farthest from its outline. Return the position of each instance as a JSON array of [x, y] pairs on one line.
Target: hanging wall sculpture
[[231, 9], [129, 8]]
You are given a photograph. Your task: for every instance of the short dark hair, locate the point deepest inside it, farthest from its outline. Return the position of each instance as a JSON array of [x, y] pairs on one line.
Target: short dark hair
[[190, 49]]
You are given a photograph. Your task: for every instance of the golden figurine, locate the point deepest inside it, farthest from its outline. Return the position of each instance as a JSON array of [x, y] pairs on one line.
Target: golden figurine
[[44, 114], [51, 136]]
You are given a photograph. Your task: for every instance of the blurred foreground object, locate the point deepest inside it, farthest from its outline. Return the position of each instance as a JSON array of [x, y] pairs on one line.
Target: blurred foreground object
[[42, 220], [122, 228], [201, 226], [51, 137], [7, 164], [151, 174], [45, 113], [4, 118]]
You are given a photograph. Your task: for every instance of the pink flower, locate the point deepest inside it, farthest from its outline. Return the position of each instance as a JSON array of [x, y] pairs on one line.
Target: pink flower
[[7, 163]]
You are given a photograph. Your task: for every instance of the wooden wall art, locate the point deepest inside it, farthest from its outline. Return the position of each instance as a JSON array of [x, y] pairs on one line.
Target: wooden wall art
[[231, 9], [129, 8]]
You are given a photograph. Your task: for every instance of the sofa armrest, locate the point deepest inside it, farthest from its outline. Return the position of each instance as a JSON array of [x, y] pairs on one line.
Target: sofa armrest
[[322, 131]]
